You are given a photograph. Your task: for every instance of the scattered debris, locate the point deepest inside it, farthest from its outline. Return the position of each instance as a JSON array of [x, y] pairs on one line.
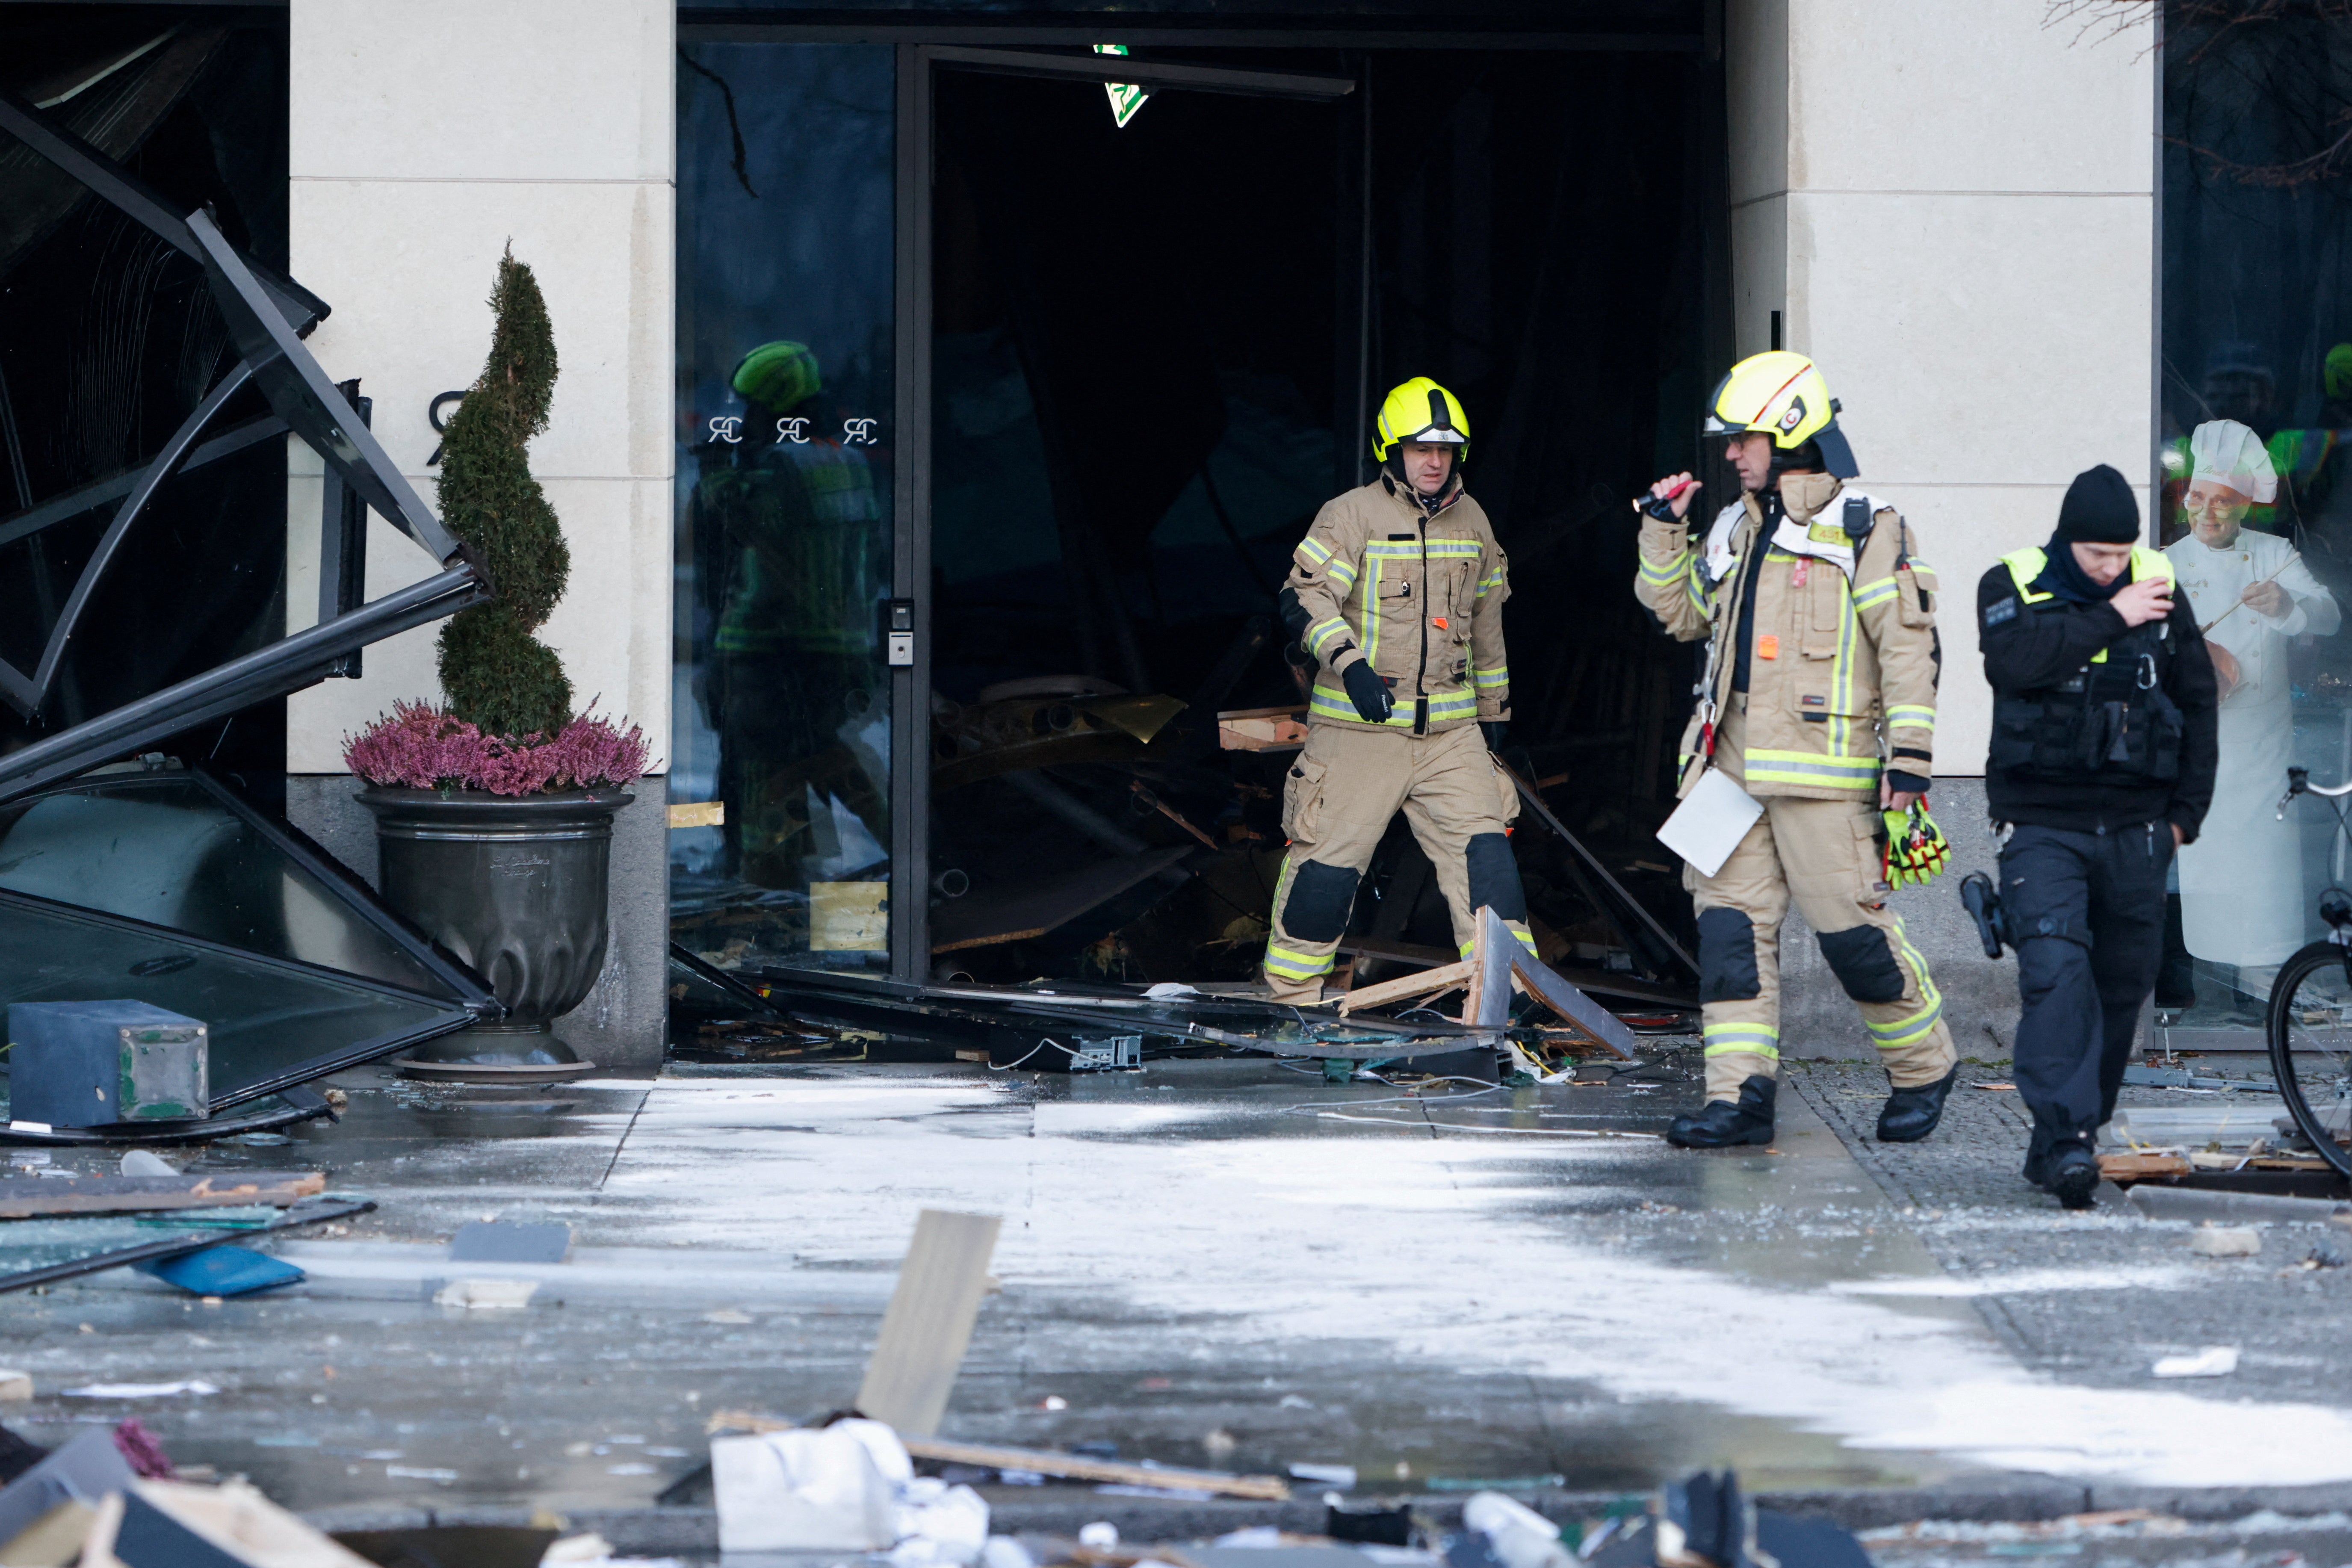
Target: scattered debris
[[504, 1241], [223, 1271], [493, 1295], [2213, 1360], [1340, 1475], [141, 1390], [15, 1386], [2211, 1240]]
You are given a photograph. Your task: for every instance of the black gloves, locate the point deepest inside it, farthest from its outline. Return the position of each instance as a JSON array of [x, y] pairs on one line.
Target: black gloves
[[1494, 729], [1368, 691]]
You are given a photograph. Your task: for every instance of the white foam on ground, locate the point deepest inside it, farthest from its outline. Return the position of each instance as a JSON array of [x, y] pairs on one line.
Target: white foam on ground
[[2027, 1281], [1450, 1249]]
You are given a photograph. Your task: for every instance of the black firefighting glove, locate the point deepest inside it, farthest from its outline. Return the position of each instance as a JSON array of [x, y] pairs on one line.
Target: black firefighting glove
[[1368, 691]]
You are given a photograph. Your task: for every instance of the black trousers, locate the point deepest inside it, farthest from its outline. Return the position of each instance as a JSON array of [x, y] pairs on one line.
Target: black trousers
[[2086, 912]]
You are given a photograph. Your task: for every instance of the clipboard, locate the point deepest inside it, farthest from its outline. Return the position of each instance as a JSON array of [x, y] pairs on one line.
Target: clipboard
[[1710, 822]]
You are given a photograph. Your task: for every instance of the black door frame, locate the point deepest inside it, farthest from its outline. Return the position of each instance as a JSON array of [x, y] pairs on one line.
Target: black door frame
[[911, 684]]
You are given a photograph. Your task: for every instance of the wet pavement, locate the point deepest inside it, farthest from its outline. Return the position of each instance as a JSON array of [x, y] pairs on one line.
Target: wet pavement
[[1228, 1263]]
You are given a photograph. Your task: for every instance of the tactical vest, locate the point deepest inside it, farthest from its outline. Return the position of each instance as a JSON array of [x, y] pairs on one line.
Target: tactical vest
[[2110, 720]]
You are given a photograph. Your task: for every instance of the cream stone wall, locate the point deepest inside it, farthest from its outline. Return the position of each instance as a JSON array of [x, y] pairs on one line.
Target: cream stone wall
[[1952, 203], [425, 137]]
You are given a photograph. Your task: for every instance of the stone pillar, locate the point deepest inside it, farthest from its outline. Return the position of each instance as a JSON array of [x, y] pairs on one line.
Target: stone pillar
[[425, 137], [1951, 202]]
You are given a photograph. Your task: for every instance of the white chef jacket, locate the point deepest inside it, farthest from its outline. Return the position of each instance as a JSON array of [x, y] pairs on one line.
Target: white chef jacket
[[2242, 883]]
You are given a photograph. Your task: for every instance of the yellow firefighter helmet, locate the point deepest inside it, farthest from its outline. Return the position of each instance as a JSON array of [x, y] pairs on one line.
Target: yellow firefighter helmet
[[1420, 410], [1782, 395]]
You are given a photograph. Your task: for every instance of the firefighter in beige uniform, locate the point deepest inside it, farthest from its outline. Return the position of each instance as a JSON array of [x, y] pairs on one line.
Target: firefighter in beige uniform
[[1821, 654], [1397, 591]]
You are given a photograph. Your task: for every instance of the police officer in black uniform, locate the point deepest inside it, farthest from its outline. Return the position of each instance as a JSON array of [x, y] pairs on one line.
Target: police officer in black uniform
[[2102, 766]]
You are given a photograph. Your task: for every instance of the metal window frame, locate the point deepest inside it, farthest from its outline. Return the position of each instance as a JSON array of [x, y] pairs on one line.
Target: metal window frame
[[267, 316]]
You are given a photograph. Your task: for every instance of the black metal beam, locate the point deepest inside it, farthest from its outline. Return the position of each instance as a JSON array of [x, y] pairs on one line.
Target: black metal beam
[[284, 665], [1144, 73], [707, 26]]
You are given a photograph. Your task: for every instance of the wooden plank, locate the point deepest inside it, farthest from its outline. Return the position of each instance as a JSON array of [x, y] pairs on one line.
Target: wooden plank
[[1597, 982], [1069, 1466], [929, 1324], [1493, 946], [1405, 987], [2137, 1167], [1581, 1012], [41, 1196], [1041, 1462], [1263, 729]]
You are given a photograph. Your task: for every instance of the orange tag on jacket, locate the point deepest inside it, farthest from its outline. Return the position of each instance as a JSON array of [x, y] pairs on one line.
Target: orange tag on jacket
[[1767, 645], [1437, 621]]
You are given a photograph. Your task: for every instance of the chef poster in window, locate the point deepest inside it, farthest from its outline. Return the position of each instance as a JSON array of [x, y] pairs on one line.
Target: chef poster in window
[[2242, 882]]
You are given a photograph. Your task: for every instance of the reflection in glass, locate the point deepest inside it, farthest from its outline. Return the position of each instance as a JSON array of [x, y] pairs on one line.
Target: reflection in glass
[[2255, 509], [785, 396], [270, 1023], [2241, 882], [163, 849]]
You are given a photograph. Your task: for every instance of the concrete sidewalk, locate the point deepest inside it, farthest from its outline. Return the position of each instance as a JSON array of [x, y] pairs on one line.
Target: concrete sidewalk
[[1231, 1264]]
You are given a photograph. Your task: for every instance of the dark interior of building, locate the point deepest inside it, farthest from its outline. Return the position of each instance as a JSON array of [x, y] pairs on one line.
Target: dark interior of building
[[1155, 348], [109, 339]]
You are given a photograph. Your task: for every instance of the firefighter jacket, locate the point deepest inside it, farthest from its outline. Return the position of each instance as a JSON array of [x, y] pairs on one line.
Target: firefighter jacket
[[1843, 657], [1419, 595]]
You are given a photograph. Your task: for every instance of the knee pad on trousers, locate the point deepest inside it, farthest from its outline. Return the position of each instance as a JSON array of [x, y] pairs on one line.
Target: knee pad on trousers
[[1320, 898], [1726, 957], [1859, 956], [1495, 877]]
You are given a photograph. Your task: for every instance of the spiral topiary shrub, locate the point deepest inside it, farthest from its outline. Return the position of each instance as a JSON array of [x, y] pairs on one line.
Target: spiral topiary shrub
[[497, 676]]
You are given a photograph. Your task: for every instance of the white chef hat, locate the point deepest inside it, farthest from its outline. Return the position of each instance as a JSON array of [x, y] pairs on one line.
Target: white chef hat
[[2229, 452]]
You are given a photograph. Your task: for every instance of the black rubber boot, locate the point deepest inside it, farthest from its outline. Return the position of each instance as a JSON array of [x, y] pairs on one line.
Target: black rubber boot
[[1912, 1113], [1720, 1124], [2072, 1176]]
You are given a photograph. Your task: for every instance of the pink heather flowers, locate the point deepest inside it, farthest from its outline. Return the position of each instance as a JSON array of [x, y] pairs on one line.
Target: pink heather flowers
[[421, 747]]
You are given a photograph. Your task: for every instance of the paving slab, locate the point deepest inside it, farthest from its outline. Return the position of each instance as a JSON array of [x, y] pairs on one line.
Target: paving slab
[[1228, 1263]]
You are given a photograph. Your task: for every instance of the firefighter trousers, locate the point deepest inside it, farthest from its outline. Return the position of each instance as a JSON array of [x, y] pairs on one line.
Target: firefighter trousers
[[1825, 856], [1335, 804]]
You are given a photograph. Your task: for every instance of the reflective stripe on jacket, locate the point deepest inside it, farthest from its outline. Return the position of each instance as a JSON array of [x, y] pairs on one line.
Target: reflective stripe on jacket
[[1420, 599], [1846, 682]]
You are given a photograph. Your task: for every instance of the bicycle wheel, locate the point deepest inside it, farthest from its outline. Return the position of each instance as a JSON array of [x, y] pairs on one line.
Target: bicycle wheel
[[2310, 1030]]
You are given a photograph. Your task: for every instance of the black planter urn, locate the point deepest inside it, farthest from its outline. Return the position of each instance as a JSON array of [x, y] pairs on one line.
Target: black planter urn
[[516, 885]]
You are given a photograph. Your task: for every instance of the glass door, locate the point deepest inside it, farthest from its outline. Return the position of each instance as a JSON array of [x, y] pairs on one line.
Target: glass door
[[787, 451]]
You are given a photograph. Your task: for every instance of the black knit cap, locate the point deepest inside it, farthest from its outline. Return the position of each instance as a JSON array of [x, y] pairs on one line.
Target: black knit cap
[[2099, 508]]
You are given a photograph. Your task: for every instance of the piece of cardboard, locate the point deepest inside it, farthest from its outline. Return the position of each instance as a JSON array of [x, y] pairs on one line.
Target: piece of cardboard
[[82, 1470]]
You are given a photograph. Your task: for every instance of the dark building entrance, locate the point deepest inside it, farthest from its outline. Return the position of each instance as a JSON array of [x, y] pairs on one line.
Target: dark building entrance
[[1074, 391]]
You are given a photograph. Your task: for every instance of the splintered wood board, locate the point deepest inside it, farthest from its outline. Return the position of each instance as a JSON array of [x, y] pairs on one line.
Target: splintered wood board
[[41, 1196], [930, 1321], [1262, 729]]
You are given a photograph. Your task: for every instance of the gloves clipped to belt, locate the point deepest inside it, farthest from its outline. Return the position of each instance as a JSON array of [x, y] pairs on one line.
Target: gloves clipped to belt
[[1368, 691], [1917, 851]]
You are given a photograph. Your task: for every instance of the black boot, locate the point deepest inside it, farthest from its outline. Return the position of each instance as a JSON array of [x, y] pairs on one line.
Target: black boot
[[2070, 1175], [1912, 1113], [1720, 1124]]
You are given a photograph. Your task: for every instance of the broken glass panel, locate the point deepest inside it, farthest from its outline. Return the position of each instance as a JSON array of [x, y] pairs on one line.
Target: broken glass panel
[[177, 848], [273, 1022]]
